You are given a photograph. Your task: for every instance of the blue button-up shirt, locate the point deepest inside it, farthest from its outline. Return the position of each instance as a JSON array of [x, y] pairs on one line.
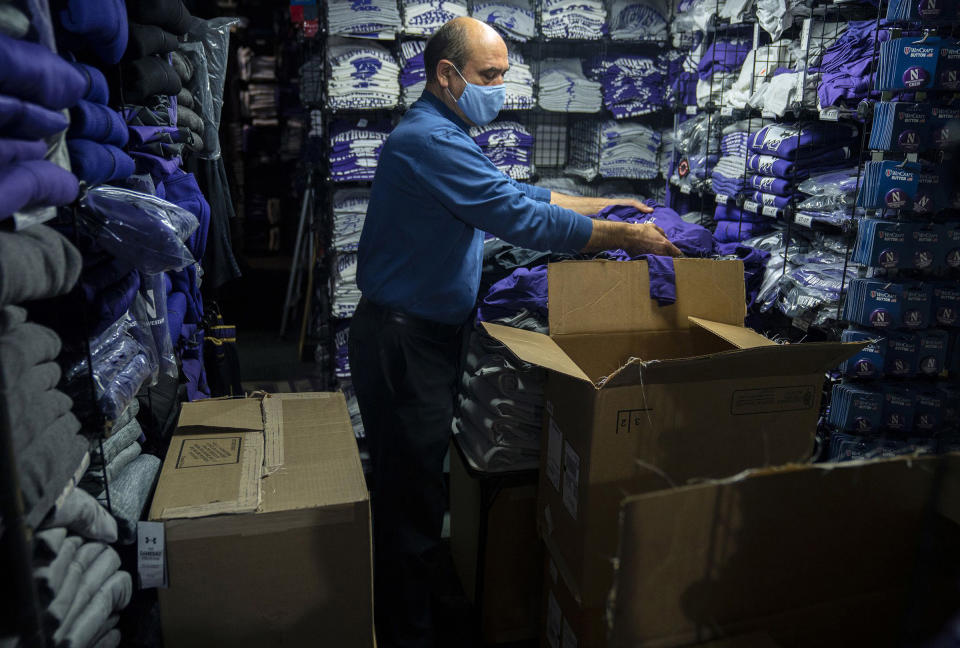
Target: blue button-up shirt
[[433, 196]]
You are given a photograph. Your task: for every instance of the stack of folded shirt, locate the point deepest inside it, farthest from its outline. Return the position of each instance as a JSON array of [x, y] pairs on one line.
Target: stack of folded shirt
[[793, 152], [349, 212], [681, 86], [639, 20], [573, 19], [719, 68], [346, 294], [413, 75], [666, 157], [341, 359], [509, 145], [613, 149], [829, 197], [735, 224], [632, 85], [37, 263], [512, 18], [362, 76], [845, 67], [36, 85], [564, 88], [424, 17], [377, 19], [519, 84], [728, 176], [760, 65], [500, 404], [355, 149], [97, 136]]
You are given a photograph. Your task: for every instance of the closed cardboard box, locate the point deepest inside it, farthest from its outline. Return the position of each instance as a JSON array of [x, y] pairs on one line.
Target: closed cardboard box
[[267, 524], [642, 397], [815, 556]]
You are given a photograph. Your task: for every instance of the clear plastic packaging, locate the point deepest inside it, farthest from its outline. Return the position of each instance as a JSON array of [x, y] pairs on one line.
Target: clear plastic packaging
[[150, 310], [835, 183], [215, 36], [143, 230], [199, 87]]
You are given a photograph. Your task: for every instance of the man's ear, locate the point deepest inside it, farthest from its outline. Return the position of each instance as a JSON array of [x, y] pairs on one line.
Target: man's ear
[[444, 69]]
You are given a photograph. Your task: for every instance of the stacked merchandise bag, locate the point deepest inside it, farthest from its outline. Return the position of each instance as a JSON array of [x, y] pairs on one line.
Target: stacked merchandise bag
[[614, 149], [509, 145], [564, 88], [646, 20], [376, 19], [518, 82], [514, 19], [424, 17], [573, 19], [828, 197], [355, 149], [413, 75], [632, 85], [363, 75]]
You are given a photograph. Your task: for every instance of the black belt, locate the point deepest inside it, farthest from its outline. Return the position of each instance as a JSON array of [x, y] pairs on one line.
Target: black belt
[[428, 327]]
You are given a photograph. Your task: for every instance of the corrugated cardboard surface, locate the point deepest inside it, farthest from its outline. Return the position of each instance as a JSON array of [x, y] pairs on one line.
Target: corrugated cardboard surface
[[295, 572], [812, 555]]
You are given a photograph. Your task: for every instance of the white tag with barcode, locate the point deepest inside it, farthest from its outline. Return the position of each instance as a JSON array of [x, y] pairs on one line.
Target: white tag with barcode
[[151, 555]]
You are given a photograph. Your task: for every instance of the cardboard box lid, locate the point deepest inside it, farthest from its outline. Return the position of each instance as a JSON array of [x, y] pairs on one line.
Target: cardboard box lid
[[265, 454], [762, 550], [614, 296]]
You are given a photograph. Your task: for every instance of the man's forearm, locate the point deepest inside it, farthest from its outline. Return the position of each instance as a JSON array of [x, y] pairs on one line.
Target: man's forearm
[[606, 235], [579, 204]]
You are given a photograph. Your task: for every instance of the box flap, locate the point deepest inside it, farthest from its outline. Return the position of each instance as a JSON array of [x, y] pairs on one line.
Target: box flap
[[774, 360], [537, 349], [740, 336], [207, 416], [614, 296]]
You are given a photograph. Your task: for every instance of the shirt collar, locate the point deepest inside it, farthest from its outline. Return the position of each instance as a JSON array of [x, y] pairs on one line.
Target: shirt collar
[[431, 100]]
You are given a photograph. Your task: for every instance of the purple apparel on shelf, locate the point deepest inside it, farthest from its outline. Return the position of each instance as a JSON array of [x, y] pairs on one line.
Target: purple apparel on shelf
[[723, 56], [96, 163], [773, 166], [35, 74], [792, 143], [732, 231], [19, 118], [845, 68], [35, 182], [769, 184], [98, 123], [772, 200], [97, 89], [17, 150], [729, 213]]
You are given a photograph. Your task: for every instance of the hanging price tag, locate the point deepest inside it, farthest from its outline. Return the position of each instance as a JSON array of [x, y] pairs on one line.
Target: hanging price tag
[[151, 555], [803, 220], [770, 210], [691, 110], [751, 206], [685, 189], [722, 199], [830, 114]]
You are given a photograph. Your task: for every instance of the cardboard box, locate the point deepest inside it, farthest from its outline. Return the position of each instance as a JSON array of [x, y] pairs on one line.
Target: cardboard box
[[642, 397], [566, 623], [854, 554], [496, 550], [267, 524]]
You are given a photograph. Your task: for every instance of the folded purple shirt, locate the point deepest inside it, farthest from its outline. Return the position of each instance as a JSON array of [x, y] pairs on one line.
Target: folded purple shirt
[[19, 118], [97, 89], [769, 184], [773, 166], [733, 231], [96, 163], [17, 150], [98, 123], [35, 182], [34, 73]]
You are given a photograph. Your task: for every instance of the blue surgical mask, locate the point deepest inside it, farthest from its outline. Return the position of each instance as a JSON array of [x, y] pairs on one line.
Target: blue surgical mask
[[480, 103]]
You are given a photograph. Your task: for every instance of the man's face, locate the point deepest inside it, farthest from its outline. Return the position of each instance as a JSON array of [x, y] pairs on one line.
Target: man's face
[[486, 66]]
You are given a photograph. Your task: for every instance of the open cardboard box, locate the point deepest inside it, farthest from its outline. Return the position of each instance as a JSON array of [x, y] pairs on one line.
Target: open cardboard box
[[817, 556], [642, 397]]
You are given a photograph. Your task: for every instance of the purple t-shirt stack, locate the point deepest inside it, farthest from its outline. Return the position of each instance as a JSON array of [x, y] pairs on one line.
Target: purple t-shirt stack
[[632, 85], [355, 148], [793, 152], [845, 68]]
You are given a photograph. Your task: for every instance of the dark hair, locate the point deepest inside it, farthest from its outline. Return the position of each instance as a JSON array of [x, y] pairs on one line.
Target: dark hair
[[450, 42]]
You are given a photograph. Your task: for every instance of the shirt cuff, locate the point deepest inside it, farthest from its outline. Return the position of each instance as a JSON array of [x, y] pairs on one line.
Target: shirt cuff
[[582, 231]]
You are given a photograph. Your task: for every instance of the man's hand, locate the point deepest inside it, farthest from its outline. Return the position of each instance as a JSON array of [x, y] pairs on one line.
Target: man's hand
[[630, 202], [645, 238]]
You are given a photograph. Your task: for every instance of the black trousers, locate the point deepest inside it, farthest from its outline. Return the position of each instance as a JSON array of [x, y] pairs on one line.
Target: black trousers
[[405, 373]]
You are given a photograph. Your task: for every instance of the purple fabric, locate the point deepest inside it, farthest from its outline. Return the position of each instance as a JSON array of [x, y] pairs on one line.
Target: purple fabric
[[16, 150], [35, 182], [722, 56], [35, 74], [158, 167], [792, 143], [140, 135], [729, 213], [691, 239], [773, 166], [98, 25], [524, 289], [98, 123], [112, 301], [845, 67], [773, 200], [730, 231], [96, 163], [769, 184], [754, 266], [663, 279], [97, 89], [27, 120]]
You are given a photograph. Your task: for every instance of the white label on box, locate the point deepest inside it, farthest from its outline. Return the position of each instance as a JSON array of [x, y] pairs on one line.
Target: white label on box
[[151, 557], [554, 621], [554, 572], [571, 479], [554, 458], [569, 638], [804, 220]]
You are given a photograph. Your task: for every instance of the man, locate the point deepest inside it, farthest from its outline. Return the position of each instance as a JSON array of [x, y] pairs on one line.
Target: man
[[420, 258]]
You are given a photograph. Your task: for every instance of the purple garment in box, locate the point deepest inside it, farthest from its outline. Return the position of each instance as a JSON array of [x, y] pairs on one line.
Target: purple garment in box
[[35, 182], [733, 231], [27, 120], [769, 184], [98, 123], [17, 150], [524, 289], [792, 143], [35, 74], [691, 239]]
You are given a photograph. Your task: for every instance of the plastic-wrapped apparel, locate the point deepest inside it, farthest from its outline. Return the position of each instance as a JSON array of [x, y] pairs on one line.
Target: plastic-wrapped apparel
[[145, 231]]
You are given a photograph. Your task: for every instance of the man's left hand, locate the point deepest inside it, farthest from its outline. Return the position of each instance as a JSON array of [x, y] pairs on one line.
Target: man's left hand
[[630, 202]]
